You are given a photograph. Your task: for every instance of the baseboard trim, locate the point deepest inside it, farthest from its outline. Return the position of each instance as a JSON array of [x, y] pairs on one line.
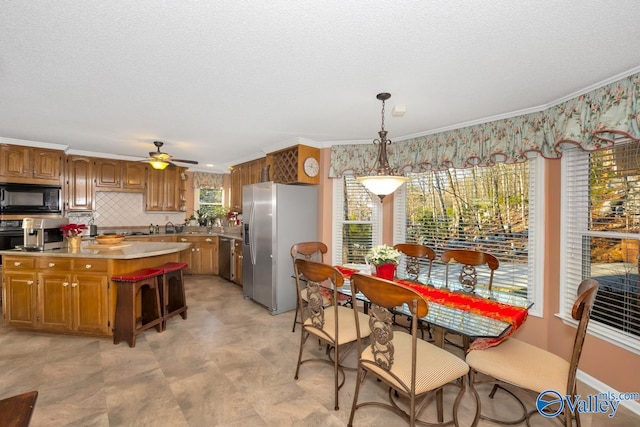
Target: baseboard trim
[[633, 406]]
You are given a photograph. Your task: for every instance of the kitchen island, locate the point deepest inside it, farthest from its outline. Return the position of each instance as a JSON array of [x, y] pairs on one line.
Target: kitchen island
[[70, 290]]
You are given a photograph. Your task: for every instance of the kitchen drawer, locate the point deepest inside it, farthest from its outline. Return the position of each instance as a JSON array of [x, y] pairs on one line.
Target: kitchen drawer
[[18, 263], [54, 264], [90, 265]]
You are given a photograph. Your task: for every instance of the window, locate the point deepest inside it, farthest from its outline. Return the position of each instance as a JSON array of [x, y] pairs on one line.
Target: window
[[209, 201], [356, 221], [491, 209], [601, 231]]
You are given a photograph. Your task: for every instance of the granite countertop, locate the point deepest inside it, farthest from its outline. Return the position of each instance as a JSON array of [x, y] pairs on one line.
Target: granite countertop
[[126, 250]]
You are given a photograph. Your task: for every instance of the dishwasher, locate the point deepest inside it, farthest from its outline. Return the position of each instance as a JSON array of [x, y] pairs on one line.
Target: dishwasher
[[225, 258]]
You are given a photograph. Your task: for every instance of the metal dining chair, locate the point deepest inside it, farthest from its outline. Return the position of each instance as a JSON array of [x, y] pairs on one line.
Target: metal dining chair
[[310, 251], [415, 259], [333, 324], [413, 368], [516, 364], [469, 260]]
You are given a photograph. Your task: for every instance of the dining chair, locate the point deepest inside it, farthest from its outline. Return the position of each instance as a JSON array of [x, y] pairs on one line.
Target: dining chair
[[333, 324], [311, 251], [469, 260], [413, 368], [415, 258], [514, 363]]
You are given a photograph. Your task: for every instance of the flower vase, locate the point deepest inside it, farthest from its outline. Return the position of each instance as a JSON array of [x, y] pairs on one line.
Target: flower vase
[[386, 271], [73, 242]]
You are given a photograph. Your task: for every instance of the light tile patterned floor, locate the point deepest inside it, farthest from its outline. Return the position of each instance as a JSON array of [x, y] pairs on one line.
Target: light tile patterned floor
[[229, 364]]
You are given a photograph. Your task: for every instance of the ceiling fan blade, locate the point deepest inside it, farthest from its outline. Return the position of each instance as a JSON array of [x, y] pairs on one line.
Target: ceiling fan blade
[[193, 162]]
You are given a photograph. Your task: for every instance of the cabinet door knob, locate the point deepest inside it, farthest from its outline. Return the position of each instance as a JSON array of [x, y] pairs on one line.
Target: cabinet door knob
[[207, 239], [17, 264], [182, 239], [29, 282], [65, 284], [52, 264], [73, 285], [88, 266]]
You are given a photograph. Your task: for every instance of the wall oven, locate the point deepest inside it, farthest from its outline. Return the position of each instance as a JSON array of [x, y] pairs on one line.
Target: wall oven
[[30, 199]]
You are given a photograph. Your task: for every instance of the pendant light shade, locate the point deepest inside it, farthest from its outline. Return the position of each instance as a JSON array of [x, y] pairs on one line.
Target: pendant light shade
[[382, 180]]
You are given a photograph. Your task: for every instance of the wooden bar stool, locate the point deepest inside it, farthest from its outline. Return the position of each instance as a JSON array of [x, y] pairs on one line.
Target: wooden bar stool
[[172, 296], [126, 325]]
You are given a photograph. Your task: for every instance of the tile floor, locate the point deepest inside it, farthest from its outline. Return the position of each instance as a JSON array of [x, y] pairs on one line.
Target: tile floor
[[229, 364]]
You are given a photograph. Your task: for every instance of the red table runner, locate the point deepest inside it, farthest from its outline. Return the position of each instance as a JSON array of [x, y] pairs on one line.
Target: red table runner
[[471, 303]]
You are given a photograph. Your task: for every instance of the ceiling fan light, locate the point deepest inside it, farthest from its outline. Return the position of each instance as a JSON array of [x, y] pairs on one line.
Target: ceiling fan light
[[158, 164]]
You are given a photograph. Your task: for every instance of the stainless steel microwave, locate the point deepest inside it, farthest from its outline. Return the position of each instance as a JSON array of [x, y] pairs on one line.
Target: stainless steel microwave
[[30, 199]]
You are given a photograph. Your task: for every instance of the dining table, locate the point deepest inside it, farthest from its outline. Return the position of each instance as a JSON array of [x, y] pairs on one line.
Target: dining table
[[482, 318]]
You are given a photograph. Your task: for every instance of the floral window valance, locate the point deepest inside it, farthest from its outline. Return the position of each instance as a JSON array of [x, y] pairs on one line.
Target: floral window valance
[[591, 121], [208, 180]]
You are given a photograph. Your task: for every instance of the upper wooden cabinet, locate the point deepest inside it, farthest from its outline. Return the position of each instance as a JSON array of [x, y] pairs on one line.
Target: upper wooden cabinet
[[22, 164], [79, 186], [119, 175], [299, 164], [245, 174], [164, 190]]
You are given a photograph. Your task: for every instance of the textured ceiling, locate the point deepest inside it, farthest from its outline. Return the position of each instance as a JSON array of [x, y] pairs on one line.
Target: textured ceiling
[[225, 81]]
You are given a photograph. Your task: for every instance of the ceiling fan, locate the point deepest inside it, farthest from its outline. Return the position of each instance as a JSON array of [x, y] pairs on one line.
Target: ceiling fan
[[159, 160]]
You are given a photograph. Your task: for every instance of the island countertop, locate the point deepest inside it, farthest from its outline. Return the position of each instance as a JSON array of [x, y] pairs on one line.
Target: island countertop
[[127, 250]]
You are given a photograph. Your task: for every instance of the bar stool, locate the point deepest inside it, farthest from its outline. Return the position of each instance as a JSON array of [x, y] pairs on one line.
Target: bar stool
[[126, 325], [172, 296]]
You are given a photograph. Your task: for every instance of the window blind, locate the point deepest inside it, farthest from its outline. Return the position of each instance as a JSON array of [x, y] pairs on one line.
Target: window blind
[[601, 232], [356, 221], [491, 209]]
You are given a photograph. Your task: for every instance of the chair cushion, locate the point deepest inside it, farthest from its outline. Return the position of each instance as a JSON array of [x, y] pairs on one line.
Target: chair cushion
[[173, 266], [523, 365], [435, 367], [138, 275], [346, 325]]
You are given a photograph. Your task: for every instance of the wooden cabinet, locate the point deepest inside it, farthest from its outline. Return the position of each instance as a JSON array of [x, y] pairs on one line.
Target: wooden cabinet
[[299, 164], [164, 189], [152, 238], [203, 255], [244, 174], [237, 261], [80, 189], [57, 294], [119, 175], [30, 164]]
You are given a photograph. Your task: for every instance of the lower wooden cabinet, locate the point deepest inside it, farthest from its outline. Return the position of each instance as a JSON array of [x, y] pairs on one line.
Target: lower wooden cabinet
[[57, 294], [203, 256]]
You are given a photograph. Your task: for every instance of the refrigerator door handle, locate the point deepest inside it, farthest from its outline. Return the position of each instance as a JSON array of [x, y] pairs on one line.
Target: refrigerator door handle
[[252, 243]]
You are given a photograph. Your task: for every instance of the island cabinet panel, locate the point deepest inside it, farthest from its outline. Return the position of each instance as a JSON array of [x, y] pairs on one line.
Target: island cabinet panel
[[90, 303], [54, 301], [19, 299]]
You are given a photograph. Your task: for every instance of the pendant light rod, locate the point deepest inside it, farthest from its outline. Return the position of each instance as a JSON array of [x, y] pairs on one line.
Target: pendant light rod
[[384, 181]]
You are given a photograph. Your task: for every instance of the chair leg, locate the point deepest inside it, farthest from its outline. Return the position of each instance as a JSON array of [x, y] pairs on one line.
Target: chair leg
[[359, 379], [295, 317]]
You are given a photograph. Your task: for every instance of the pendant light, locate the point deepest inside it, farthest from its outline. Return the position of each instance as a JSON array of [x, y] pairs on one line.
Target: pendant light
[[382, 180]]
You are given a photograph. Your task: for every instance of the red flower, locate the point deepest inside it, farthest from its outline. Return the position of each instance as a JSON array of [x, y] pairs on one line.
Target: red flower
[[72, 230]]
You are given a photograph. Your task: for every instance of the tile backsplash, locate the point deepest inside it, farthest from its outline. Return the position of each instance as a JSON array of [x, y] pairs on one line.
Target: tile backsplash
[[124, 210]]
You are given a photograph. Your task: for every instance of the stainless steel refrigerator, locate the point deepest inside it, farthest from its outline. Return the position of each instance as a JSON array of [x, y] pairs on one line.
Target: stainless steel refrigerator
[[275, 217]]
